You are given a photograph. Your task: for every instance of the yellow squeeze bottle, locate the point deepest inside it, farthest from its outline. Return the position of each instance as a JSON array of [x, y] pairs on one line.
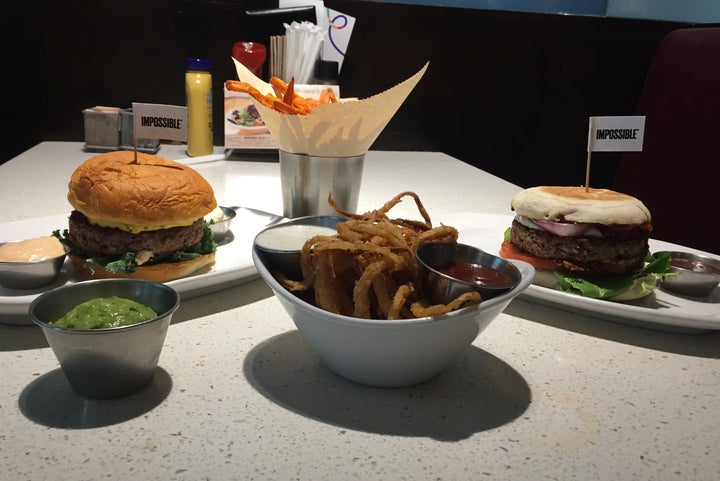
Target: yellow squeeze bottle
[[198, 90]]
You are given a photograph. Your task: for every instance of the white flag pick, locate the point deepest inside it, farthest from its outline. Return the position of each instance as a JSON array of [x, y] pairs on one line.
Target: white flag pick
[[614, 134], [159, 121]]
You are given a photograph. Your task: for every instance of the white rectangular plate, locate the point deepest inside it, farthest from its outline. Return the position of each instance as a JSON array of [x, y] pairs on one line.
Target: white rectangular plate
[[233, 261], [661, 310]]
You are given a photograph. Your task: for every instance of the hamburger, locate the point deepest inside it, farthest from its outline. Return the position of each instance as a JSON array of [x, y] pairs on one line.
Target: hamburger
[[591, 242], [141, 219]]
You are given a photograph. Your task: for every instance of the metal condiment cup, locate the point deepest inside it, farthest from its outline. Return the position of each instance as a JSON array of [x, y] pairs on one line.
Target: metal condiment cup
[[441, 288], [30, 275], [220, 228], [695, 275], [113, 362], [288, 261]]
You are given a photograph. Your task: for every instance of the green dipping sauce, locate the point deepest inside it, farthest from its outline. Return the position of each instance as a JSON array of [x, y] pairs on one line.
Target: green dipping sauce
[[105, 312]]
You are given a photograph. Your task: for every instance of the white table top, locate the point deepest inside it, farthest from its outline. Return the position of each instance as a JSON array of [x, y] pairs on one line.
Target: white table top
[[541, 394]]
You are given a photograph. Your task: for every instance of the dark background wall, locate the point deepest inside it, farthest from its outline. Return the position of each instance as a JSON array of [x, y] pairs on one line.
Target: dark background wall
[[509, 92]]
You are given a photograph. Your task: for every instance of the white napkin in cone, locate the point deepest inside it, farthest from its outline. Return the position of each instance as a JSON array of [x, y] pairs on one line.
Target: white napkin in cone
[[342, 129]]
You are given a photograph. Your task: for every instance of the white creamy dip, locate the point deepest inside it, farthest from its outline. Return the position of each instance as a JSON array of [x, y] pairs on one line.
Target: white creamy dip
[[291, 237], [31, 250], [217, 215]]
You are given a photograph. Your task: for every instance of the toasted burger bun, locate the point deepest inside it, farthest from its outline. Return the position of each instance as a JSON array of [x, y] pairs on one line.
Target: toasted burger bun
[[576, 204], [112, 189], [161, 272]]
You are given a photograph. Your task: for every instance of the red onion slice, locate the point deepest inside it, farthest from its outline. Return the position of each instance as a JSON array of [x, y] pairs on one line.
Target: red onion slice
[[563, 229]]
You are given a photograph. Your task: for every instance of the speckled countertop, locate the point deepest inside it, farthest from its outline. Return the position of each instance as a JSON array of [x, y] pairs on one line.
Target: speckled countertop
[[542, 394]]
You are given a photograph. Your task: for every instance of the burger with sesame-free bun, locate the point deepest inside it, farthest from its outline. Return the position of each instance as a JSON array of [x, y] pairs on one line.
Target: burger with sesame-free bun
[[141, 218], [591, 242]]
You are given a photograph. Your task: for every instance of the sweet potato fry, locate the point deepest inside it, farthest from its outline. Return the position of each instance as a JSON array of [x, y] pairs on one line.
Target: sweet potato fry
[[279, 86], [284, 108], [289, 94], [237, 86], [327, 96], [305, 104], [284, 99]]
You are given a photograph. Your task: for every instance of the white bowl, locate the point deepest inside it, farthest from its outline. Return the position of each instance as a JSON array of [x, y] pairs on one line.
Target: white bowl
[[390, 353]]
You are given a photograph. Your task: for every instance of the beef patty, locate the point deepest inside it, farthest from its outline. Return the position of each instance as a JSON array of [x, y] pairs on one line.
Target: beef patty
[[584, 255], [94, 240]]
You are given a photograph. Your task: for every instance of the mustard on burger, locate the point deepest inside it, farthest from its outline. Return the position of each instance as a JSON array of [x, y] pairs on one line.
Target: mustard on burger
[[591, 242], [139, 218]]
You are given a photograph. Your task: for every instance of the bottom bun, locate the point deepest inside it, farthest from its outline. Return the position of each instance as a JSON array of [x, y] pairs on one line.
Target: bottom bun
[[161, 272], [547, 278]]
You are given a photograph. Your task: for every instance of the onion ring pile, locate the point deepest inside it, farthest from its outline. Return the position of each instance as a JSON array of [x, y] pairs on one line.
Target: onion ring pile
[[368, 269]]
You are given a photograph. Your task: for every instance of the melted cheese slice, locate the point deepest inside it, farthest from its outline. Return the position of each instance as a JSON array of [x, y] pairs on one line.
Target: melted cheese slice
[[135, 229]]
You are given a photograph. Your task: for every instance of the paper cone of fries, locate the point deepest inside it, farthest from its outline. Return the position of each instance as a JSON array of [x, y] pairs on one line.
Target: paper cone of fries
[[343, 129]]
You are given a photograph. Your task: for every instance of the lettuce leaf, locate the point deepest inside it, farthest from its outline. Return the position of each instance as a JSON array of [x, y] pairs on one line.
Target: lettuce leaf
[[612, 285]]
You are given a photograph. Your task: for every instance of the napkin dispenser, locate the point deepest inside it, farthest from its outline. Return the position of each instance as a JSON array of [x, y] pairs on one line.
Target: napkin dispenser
[[111, 128], [102, 128]]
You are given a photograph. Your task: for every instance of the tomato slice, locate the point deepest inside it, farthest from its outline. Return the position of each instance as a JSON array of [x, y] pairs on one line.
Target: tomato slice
[[508, 250]]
